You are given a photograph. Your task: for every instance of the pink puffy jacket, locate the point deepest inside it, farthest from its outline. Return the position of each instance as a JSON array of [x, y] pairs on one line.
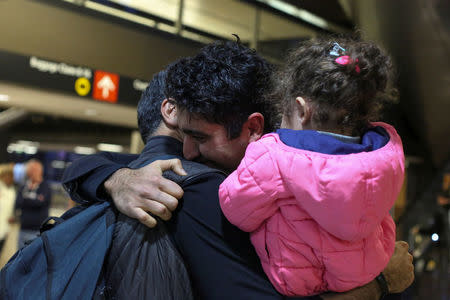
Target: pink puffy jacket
[[318, 222]]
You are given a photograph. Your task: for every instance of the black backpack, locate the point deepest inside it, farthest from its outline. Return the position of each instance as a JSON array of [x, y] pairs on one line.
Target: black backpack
[[145, 264], [65, 261]]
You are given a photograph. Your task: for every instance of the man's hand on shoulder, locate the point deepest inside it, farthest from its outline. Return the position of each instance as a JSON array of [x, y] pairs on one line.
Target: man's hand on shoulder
[[399, 272], [137, 192]]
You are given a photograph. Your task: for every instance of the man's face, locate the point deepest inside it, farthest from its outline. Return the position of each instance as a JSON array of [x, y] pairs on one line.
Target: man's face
[[35, 171], [208, 143]]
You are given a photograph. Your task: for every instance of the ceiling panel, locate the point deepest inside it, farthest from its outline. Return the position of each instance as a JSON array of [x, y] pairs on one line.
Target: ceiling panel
[[222, 18]]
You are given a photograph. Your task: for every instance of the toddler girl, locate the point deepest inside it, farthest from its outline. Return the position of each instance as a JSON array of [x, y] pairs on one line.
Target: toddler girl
[[316, 194]]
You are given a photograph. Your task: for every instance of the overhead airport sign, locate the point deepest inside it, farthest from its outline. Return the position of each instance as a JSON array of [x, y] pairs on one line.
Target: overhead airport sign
[[106, 86], [59, 68], [79, 80]]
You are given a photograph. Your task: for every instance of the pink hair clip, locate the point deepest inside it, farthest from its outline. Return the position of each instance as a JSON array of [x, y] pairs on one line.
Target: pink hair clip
[[344, 60]]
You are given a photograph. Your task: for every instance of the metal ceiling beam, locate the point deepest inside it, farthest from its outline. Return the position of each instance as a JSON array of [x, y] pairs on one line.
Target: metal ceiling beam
[[12, 116], [299, 14], [179, 22], [256, 29]]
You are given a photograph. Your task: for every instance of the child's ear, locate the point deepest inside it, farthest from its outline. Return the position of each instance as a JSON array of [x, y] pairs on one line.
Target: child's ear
[[304, 110], [169, 113]]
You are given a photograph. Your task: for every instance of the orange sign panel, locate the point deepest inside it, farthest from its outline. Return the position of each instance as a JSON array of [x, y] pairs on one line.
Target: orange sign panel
[[106, 86]]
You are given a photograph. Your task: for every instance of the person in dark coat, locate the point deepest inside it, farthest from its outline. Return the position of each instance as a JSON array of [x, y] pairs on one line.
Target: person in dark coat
[[33, 201]]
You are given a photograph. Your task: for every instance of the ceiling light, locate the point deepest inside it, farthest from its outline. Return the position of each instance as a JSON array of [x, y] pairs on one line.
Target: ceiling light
[[28, 143], [435, 237], [84, 150], [30, 150], [27, 148], [10, 148], [90, 112], [4, 98], [58, 164], [301, 14], [296, 12], [119, 13], [109, 147]]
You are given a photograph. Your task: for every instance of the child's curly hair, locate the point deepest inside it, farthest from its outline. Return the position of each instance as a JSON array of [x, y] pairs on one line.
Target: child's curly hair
[[354, 92]]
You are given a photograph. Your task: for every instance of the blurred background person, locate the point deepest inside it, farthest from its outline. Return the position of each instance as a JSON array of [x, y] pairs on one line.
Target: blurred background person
[[7, 198], [33, 201]]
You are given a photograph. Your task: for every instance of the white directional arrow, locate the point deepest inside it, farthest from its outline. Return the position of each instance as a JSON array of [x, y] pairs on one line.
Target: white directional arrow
[[106, 85]]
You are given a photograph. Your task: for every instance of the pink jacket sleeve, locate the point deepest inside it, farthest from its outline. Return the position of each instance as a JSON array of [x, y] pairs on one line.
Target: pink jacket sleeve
[[248, 196]]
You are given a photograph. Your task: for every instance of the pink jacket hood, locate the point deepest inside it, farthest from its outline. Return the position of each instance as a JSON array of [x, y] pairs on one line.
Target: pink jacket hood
[[318, 221]]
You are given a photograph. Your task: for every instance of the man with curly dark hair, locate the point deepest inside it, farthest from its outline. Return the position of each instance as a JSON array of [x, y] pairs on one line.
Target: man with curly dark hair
[[220, 108], [224, 86]]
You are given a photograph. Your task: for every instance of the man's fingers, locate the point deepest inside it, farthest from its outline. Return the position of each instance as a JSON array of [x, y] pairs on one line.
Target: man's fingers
[[163, 191], [402, 245], [177, 167], [412, 275], [171, 189], [144, 218], [171, 164], [136, 192], [167, 200], [411, 258], [157, 209]]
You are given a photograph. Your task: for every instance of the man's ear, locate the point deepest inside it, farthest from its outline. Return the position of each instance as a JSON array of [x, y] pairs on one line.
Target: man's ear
[[255, 126], [304, 110], [169, 113]]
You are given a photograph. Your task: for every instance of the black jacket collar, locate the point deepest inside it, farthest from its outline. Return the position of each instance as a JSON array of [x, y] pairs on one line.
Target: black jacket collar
[[163, 144]]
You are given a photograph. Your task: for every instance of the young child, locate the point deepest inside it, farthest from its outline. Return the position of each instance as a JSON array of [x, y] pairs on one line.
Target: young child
[[316, 194]]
